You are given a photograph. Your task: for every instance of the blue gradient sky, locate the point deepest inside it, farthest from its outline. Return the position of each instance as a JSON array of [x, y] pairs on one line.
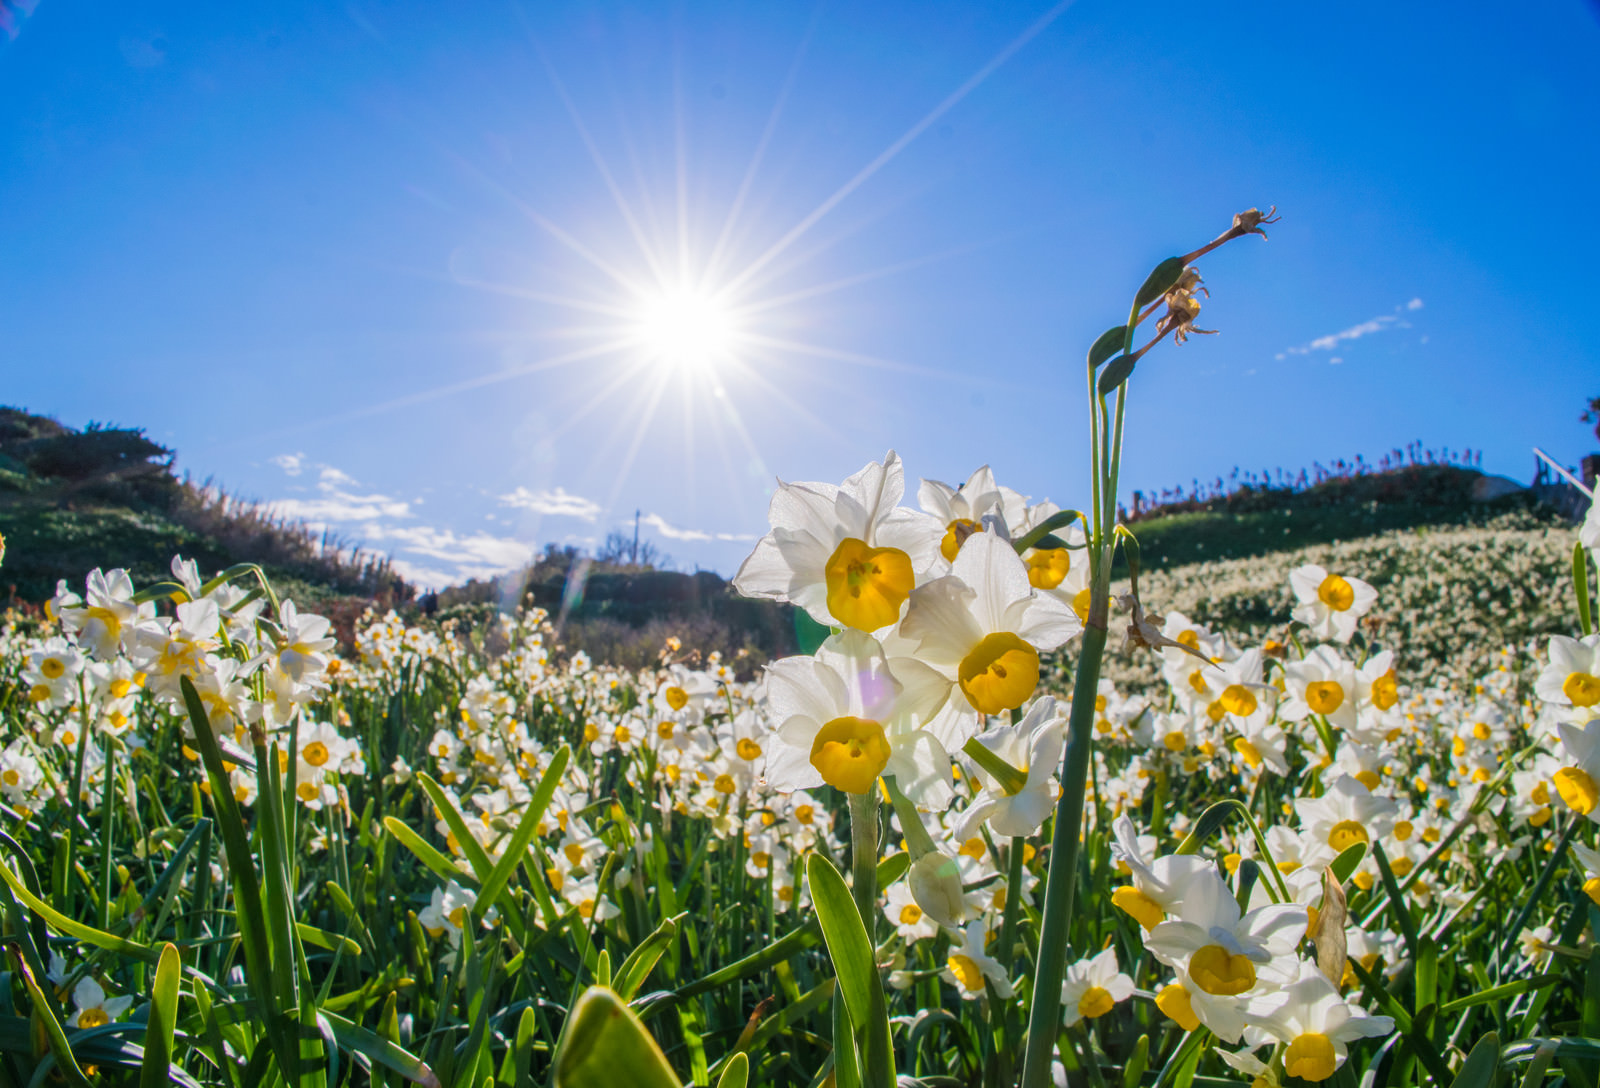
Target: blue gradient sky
[[335, 254]]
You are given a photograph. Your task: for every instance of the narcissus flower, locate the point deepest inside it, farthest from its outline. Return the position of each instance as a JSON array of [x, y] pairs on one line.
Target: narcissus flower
[[847, 554], [1224, 950], [94, 1008], [1032, 746], [108, 619], [1330, 604], [1158, 886], [1093, 987], [969, 967], [1321, 683], [1572, 676], [1317, 1024], [844, 718], [983, 627], [1346, 814], [1579, 781], [961, 510]]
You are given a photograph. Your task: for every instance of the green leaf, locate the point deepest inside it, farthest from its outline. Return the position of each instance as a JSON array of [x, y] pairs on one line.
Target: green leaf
[[163, 1020], [605, 1045], [1115, 373], [808, 633], [892, 868], [1107, 344], [471, 848], [853, 964], [45, 1015], [636, 968], [1035, 536], [1348, 861], [425, 852], [517, 849], [1160, 280], [736, 1073], [1580, 583], [1133, 1071], [378, 1050], [1482, 1064], [1590, 1016], [323, 939]]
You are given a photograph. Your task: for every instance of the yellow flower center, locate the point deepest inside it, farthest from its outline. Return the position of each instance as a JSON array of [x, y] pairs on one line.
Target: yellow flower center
[[850, 753], [10, 776], [1048, 567], [1336, 593], [760, 859], [867, 586], [1403, 830], [53, 668], [1175, 741], [999, 673], [1481, 730], [1190, 638], [1385, 691], [1218, 971], [1174, 1002], [307, 791], [1369, 779], [316, 753], [967, 972], [910, 914], [1080, 604], [1591, 888], [724, 783], [1346, 833], [622, 734], [120, 687], [1238, 700], [974, 848], [1139, 906], [1577, 789], [664, 730], [93, 1018], [747, 749], [1310, 1057], [591, 732], [1096, 1001], [1248, 752], [1581, 688], [804, 813], [676, 697], [1324, 696], [955, 535], [1197, 682], [39, 693]]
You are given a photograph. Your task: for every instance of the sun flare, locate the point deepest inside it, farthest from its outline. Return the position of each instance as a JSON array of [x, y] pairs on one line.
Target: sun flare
[[686, 328]]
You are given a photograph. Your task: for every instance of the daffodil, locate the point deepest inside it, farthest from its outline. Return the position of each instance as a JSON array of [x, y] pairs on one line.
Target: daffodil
[[1033, 747], [1093, 987], [1159, 885], [1347, 813], [1590, 860], [1224, 950], [983, 627], [846, 554], [1321, 683], [910, 921], [1579, 781], [108, 619], [1315, 1022], [1330, 604], [1572, 677], [961, 510], [844, 717], [93, 1008], [968, 967]]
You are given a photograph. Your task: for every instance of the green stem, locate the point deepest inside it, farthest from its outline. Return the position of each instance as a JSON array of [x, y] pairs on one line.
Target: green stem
[[107, 827], [864, 858], [1008, 923], [1044, 1015], [75, 802]]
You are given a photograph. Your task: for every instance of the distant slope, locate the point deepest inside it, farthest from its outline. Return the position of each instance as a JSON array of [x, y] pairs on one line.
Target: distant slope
[[107, 497]]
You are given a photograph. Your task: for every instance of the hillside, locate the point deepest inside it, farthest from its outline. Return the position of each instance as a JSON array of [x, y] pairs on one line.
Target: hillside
[[74, 500]]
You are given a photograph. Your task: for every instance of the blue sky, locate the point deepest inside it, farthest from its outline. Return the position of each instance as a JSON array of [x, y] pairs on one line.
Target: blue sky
[[394, 266]]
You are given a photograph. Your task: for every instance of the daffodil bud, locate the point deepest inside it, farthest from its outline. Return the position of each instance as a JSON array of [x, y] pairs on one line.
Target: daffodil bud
[[936, 886]]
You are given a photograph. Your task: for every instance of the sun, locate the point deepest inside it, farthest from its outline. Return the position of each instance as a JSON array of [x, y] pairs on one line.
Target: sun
[[686, 328]]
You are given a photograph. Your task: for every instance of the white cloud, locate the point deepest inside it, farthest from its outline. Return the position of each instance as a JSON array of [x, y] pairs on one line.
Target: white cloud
[[672, 532], [557, 503], [293, 464], [434, 558], [1355, 332]]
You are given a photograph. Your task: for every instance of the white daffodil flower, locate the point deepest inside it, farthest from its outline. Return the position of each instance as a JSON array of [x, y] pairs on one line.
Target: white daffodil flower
[[1033, 746], [845, 717], [94, 1008], [1579, 782], [1159, 886], [982, 626], [1321, 683], [108, 619], [1316, 1022], [968, 966], [1590, 860], [1093, 987], [1187, 1004], [1347, 813], [961, 510], [847, 554], [1572, 677], [1331, 605], [1223, 950]]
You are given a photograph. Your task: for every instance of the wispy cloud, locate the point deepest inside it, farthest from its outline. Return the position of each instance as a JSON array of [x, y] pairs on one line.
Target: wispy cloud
[[1381, 323], [556, 502], [455, 557], [336, 502], [672, 532]]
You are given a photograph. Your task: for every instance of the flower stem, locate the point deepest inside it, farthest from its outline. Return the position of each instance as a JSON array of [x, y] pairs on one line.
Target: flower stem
[[864, 857], [1044, 1015]]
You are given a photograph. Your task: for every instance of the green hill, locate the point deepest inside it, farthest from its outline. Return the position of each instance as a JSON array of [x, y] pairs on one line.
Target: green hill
[[104, 496]]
